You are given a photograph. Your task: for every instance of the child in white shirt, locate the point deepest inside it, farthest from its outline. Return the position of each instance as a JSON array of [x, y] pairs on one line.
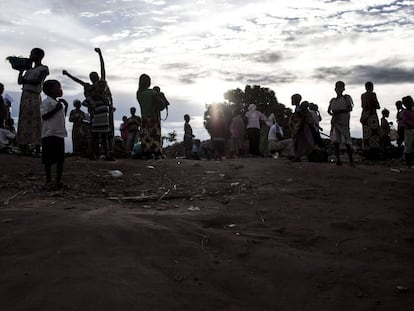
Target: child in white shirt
[[53, 111]]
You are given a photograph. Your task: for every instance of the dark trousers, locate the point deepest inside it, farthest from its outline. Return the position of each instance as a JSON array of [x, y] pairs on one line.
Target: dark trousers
[[253, 134]]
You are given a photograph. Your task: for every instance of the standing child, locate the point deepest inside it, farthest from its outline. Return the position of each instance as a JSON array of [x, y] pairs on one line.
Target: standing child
[[133, 125], [53, 111], [188, 136], [124, 130], [400, 123], [340, 108], [385, 129], [77, 117]]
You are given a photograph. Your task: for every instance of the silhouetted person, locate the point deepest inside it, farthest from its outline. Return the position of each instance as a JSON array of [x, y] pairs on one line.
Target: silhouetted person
[[218, 132], [340, 108], [400, 124], [237, 134], [188, 137], [370, 125], [385, 129], [151, 103], [407, 117], [53, 110], [3, 109], [296, 99], [77, 117], [133, 126], [87, 89], [314, 111], [301, 125], [253, 117], [29, 125], [99, 109]]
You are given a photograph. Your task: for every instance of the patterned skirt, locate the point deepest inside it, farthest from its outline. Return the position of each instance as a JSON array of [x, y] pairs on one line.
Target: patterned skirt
[[370, 131], [29, 125], [151, 136], [341, 134]]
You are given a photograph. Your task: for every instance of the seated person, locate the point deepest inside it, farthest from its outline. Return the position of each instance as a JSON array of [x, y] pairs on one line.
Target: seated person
[[276, 142], [6, 139]]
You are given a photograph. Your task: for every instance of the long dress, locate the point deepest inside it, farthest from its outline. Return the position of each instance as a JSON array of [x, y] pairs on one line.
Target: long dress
[[369, 121], [151, 123], [29, 124], [77, 116]]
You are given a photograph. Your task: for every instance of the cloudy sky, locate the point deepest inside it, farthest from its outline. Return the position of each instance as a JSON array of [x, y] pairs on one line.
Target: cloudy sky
[[197, 50]]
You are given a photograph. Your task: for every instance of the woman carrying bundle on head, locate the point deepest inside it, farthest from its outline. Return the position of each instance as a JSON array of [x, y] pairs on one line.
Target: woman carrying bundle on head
[[29, 125]]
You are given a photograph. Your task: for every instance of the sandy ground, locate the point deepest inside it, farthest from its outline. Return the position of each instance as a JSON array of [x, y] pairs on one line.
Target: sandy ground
[[240, 234]]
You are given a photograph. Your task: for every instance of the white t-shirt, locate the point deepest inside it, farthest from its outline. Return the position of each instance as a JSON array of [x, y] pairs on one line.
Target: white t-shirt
[[253, 119], [55, 125], [275, 128]]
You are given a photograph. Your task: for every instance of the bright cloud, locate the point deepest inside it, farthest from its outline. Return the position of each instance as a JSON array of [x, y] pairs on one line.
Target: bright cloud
[[197, 50]]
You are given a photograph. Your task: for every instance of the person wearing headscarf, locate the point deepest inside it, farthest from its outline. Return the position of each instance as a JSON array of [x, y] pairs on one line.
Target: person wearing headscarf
[[151, 103]]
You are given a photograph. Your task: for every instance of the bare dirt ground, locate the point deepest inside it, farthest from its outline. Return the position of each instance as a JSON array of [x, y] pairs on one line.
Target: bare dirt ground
[[240, 234]]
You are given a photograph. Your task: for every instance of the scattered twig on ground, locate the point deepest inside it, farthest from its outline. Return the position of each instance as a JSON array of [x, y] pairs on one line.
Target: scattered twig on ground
[[343, 241], [263, 236], [7, 201], [165, 193]]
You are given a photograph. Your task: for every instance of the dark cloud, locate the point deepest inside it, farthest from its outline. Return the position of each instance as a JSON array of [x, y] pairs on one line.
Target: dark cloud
[[6, 23], [259, 57], [259, 79], [271, 57], [360, 74], [190, 78], [173, 66], [236, 28], [333, 1]]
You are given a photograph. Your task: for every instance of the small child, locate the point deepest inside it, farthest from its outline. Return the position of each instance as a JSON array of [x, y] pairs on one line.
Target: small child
[[77, 117], [124, 130], [134, 126], [385, 129], [188, 136], [53, 113]]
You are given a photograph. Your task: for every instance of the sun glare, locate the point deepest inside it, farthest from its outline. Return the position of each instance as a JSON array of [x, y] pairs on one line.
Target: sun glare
[[208, 91]]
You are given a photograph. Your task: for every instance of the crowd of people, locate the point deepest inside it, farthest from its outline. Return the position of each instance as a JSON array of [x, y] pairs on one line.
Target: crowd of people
[[41, 125], [267, 138]]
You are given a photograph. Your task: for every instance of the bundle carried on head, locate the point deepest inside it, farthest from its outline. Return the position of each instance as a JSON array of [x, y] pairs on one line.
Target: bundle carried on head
[[19, 63]]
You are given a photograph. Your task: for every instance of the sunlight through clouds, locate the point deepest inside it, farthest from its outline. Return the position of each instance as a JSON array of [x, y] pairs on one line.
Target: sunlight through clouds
[[197, 50]]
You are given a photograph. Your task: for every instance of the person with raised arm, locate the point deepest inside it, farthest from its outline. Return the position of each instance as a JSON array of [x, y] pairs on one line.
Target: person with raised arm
[[88, 89]]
